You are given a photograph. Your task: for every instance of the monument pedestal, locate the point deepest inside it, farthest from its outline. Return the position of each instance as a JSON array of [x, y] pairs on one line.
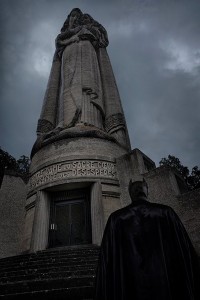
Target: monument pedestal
[[61, 172]]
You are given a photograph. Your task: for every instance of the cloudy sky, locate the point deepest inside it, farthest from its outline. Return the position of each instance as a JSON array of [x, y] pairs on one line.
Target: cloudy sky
[[155, 53]]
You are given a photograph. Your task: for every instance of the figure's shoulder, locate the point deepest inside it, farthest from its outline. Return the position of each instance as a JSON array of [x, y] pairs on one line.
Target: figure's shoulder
[[161, 209], [119, 212], [139, 208], [159, 206]]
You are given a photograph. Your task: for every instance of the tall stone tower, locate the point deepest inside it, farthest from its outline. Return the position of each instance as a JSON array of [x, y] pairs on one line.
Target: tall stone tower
[[74, 183]]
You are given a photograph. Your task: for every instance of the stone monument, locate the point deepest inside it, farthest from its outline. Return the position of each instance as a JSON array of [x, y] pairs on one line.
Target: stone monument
[[74, 183], [82, 160], [81, 166]]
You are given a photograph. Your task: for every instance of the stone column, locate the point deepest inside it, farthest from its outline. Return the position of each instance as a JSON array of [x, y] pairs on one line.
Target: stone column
[[96, 213], [41, 222]]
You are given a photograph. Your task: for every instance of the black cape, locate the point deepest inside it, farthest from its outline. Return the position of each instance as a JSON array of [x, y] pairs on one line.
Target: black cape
[[146, 254]]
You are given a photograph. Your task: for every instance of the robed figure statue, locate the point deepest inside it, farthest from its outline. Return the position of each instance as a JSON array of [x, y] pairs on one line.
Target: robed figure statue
[[80, 98], [82, 90]]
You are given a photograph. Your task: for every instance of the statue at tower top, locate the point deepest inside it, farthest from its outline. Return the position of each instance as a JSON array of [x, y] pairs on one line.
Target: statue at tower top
[[81, 94], [81, 89]]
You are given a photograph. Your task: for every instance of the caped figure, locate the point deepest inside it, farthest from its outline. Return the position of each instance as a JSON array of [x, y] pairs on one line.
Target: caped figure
[[146, 253]]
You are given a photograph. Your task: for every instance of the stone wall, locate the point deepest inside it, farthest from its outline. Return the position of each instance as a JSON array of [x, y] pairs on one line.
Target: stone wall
[[164, 189], [131, 166], [12, 212], [189, 211]]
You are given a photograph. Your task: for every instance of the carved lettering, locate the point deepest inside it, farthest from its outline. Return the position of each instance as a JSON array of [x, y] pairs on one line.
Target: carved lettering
[[70, 169]]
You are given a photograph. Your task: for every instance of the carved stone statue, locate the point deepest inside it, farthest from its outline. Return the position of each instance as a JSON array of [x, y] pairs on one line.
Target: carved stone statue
[[82, 90], [81, 99]]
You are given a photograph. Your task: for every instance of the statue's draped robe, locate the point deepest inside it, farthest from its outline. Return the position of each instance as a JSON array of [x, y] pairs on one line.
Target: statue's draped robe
[[82, 90], [146, 254]]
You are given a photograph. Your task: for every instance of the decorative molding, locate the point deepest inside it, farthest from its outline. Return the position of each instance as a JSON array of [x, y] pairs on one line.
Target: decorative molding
[[114, 121], [44, 126], [30, 205], [74, 132], [111, 194]]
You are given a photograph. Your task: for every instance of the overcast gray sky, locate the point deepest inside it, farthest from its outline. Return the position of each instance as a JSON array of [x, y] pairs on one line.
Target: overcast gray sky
[[155, 53]]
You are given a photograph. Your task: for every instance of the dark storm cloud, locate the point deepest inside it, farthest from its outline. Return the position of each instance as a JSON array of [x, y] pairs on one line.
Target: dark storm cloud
[[155, 52]]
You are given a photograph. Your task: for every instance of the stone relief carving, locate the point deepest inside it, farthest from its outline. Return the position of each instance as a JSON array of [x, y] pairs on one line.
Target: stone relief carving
[[114, 121]]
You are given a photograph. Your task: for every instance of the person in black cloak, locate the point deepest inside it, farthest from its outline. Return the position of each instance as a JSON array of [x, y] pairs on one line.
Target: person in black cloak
[[146, 254]]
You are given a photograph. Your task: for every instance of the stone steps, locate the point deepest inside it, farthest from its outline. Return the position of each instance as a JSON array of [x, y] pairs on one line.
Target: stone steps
[[46, 284], [43, 269], [48, 274], [46, 255], [66, 273], [83, 293], [48, 263]]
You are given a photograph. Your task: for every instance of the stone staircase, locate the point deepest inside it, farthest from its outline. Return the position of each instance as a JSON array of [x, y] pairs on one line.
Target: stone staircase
[[61, 273]]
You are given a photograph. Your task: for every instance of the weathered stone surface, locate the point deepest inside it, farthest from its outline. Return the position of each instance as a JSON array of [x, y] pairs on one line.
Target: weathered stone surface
[[189, 211], [110, 204], [82, 88], [72, 160], [12, 211], [28, 227], [163, 188], [69, 162]]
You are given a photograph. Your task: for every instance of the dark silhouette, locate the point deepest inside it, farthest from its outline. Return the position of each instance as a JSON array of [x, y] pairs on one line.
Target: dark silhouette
[[146, 253]]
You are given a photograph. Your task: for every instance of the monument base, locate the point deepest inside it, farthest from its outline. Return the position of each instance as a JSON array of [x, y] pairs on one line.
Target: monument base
[[73, 189]]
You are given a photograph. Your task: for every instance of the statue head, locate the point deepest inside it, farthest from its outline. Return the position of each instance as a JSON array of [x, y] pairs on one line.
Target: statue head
[[138, 189], [74, 16], [86, 19], [72, 19]]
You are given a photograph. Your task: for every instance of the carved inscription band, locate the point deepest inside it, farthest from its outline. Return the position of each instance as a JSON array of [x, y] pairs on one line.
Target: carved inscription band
[[71, 169]]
